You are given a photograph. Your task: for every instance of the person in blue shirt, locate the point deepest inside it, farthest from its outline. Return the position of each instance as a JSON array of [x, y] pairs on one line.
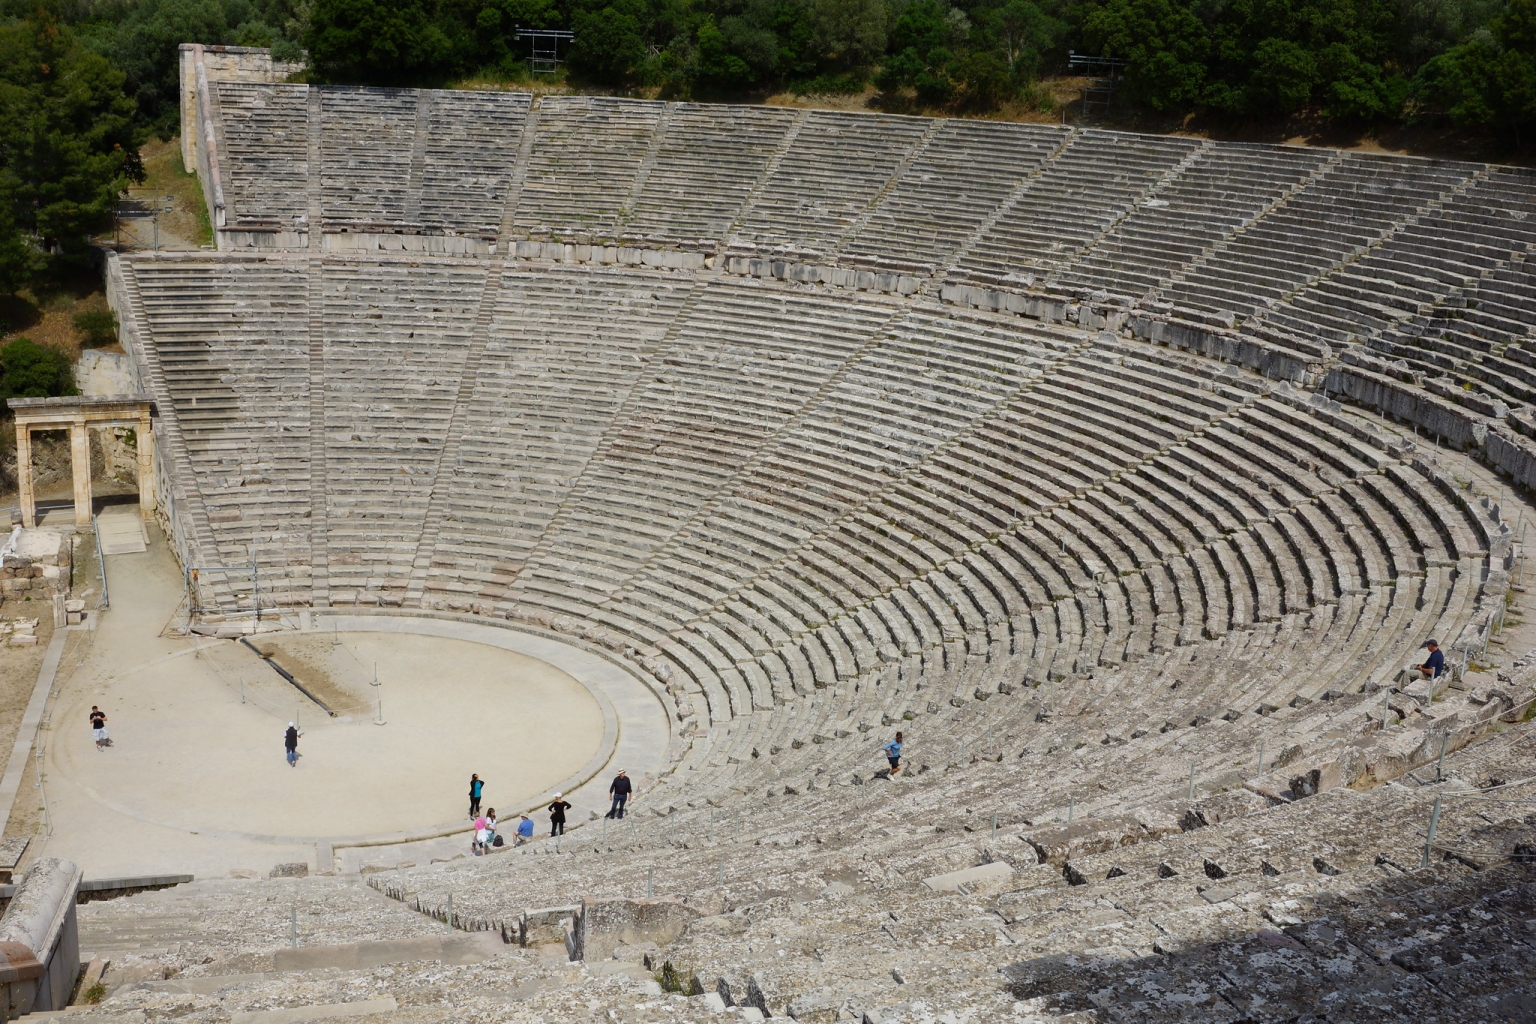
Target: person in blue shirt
[[893, 753], [524, 830], [1434, 665], [475, 786]]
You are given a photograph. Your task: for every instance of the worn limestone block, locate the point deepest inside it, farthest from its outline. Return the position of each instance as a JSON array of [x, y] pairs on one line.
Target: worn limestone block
[[728, 925], [767, 992], [1059, 844], [1238, 803], [1159, 820], [819, 1006], [606, 924], [969, 877], [546, 925]]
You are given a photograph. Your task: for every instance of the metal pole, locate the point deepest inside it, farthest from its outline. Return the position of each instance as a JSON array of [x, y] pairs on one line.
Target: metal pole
[[722, 870], [1261, 756], [293, 927], [994, 830], [1445, 741], [1429, 840], [1191, 782], [650, 881], [448, 917], [1071, 806], [1386, 706], [242, 689]]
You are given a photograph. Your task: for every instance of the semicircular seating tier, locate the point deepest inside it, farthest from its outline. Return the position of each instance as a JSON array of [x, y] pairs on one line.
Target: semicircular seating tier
[[1398, 282], [760, 493]]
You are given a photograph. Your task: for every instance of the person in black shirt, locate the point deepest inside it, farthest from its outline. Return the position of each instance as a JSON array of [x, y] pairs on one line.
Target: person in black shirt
[[619, 790], [99, 727], [557, 816], [1434, 665], [291, 744]]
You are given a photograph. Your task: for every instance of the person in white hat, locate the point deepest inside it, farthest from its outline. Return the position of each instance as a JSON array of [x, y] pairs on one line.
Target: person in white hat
[[557, 815]]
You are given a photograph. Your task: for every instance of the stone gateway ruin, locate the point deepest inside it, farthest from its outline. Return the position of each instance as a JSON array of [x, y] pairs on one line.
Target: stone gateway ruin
[[1126, 475]]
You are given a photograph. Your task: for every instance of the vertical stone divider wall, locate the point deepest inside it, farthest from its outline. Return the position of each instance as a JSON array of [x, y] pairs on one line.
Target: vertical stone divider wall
[[319, 563]]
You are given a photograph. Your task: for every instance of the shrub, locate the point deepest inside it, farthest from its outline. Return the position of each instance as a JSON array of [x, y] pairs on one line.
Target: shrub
[[98, 325], [28, 370]]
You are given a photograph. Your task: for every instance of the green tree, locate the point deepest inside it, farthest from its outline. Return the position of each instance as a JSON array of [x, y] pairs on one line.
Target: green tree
[[19, 258], [28, 370], [719, 67], [142, 38], [1025, 33], [1165, 43], [849, 33], [1490, 79], [608, 45], [921, 56], [377, 42], [68, 145]]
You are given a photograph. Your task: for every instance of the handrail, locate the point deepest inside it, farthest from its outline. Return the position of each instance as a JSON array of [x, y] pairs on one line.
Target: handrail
[[101, 563]]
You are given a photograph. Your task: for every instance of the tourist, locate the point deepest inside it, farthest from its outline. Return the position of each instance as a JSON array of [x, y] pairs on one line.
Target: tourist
[[524, 830], [291, 744], [475, 786], [99, 727], [893, 754], [490, 828], [477, 844], [619, 789], [557, 816], [1434, 665]]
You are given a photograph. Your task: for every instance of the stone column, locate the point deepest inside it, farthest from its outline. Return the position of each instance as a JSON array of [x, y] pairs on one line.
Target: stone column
[[24, 486], [80, 464], [146, 440]]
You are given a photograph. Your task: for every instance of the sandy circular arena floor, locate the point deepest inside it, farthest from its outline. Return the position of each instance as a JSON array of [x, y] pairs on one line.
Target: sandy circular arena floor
[[189, 754], [196, 781]]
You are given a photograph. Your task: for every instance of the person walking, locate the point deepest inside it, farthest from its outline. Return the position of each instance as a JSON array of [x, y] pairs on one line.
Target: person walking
[[557, 816], [99, 728], [619, 789], [893, 754], [291, 744], [475, 787]]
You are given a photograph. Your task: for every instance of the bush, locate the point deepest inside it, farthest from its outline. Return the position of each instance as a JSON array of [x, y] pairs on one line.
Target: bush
[[28, 370], [99, 327]]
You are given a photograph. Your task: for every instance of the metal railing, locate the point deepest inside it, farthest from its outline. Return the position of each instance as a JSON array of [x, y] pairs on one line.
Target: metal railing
[[101, 564]]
